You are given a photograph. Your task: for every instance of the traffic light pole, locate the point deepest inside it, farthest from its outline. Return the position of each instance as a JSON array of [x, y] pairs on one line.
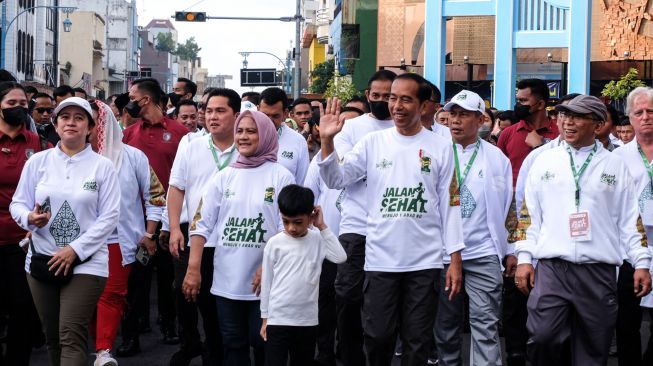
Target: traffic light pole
[[298, 19]]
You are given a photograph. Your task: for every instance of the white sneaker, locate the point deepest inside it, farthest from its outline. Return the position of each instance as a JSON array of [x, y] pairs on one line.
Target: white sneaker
[[104, 358]]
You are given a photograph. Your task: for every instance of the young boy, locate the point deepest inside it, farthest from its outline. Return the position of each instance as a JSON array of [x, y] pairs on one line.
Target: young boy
[[292, 262]]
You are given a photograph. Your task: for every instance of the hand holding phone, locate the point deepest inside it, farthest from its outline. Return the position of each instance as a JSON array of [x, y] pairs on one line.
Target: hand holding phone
[[40, 216]]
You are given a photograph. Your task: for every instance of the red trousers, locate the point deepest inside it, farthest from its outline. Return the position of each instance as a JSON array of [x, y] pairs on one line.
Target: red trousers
[[113, 301]]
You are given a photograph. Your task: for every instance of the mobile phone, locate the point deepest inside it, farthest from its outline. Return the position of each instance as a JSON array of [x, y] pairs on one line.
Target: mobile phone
[[45, 206], [142, 256]]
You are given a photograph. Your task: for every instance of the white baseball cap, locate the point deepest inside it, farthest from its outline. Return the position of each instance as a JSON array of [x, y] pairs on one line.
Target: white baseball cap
[[247, 106], [467, 100], [76, 101]]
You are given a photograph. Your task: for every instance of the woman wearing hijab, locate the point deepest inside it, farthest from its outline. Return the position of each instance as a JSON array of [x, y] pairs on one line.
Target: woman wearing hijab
[[136, 180], [240, 202], [69, 198]]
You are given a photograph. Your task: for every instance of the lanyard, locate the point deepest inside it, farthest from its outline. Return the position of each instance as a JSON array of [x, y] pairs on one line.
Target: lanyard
[[215, 156], [460, 178], [649, 167], [579, 174]]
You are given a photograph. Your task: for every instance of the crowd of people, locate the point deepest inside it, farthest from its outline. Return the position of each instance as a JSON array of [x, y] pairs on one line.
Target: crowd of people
[[316, 232]]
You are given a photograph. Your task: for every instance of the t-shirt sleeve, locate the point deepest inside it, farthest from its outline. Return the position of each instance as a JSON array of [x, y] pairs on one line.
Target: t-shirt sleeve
[[208, 210]]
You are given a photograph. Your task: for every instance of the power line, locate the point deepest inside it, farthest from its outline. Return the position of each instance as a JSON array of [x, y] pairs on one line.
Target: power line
[[197, 3]]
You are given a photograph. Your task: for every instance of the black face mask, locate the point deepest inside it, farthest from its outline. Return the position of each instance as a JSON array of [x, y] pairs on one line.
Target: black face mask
[[380, 110], [174, 98], [15, 116], [133, 108], [522, 111]]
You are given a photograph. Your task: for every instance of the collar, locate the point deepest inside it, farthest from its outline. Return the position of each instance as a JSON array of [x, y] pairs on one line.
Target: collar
[[211, 144], [587, 149], [163, 124], [522, 125], [80, 155], [469, 148], [23, 132]]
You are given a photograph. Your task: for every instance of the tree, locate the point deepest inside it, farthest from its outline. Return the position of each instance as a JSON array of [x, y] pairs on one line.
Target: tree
[[165, 43], [617, 91], [189, 50], [321, 75], [341, 87]]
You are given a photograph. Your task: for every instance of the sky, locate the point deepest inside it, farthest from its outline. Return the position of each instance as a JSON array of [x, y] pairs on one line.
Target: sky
[[221, 40]]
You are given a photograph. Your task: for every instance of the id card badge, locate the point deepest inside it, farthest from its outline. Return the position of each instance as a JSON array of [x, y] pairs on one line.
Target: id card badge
[[647, 214], [579, 226]]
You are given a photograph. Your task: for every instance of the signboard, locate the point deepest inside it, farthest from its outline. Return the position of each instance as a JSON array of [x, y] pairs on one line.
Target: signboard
[[258, 77]]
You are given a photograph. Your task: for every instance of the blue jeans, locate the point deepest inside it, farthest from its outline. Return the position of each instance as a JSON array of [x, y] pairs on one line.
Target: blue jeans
[[240, 324]]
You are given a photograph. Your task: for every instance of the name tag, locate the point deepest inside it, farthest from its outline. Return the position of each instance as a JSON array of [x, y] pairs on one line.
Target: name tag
[[647, 215], [579, 226]]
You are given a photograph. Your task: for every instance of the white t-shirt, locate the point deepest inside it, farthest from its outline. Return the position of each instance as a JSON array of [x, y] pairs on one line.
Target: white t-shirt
[[293, 152], [354, 209], [137, 182], [410, 219], [291, 276], [329, 199], [241, 205], [608, 196], [193, 168], [85, 203], [473, 207], [441, 130]]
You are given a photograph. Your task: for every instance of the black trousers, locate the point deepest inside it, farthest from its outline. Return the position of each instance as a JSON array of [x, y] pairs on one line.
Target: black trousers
[[403, 301], [576, 301], [349, 300], [284, 341], [138, 298], [165, 277], [648, 354], [188, 315], [515, 315], [17, 308], [629, 319], [326, 330]]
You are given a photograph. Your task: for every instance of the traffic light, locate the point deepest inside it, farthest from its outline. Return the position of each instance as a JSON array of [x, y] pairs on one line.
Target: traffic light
[[190, 16]]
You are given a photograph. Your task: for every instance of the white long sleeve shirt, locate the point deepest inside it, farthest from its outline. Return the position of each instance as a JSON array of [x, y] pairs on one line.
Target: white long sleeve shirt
[[193, 168], [329, 199], [354, 209], [85, 204], [241, 205], [606, 193], [293, 152], [485, 198], [291, 276], [137, 180], [526, 167], [410, 215]]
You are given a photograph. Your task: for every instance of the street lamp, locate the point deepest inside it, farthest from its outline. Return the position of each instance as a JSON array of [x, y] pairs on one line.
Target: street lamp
[[67, 23], [246, 53], [563, 76]]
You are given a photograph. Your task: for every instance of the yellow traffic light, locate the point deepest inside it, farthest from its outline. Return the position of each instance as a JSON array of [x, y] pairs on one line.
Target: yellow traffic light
[[190, 16]]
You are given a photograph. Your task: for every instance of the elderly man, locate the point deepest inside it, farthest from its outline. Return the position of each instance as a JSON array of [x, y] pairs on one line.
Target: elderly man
[[577, 216]]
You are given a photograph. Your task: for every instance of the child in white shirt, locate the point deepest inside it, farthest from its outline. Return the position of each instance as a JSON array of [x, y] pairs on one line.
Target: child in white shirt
[[292, 263]]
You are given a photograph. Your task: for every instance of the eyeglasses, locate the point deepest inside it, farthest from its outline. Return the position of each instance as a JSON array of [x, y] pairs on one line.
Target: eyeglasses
[[576, 117], [43, 110]]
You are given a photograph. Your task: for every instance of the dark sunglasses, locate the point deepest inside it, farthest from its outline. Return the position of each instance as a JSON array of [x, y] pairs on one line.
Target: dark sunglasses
[[43, 110]]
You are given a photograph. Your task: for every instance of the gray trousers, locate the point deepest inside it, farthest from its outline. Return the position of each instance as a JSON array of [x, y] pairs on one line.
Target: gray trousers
[[572, 300], [483, 282], [65, 313]]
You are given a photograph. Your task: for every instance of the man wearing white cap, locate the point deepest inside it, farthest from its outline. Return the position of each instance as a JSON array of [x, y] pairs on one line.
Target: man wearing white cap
[[578, 216], [484, 189]]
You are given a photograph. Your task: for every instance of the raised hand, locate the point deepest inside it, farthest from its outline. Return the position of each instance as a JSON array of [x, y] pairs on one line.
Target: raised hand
[[329, 121]]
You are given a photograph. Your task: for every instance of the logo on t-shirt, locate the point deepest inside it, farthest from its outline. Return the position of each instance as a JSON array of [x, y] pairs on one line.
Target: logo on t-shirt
[[167, 136], [29, 153], [404, 202], [244, 232], [269, 195], [229, 193], [426, 164], [384, 164], [547, 176], [90, 186], [608, 179], [64, 227], [287, 154]]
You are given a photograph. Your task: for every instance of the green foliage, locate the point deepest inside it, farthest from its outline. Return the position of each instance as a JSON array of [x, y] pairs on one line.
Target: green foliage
[[321, 75], [618, 90], [189, 50], [165, 43], [341, 87]]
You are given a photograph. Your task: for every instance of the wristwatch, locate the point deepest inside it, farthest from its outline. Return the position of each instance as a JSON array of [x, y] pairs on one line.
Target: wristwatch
[[152, 237]]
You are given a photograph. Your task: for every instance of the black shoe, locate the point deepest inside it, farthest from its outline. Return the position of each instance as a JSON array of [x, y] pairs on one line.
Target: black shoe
[[183, 358], [128, 348], [170, 335], [516, 359], [144, 326]]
